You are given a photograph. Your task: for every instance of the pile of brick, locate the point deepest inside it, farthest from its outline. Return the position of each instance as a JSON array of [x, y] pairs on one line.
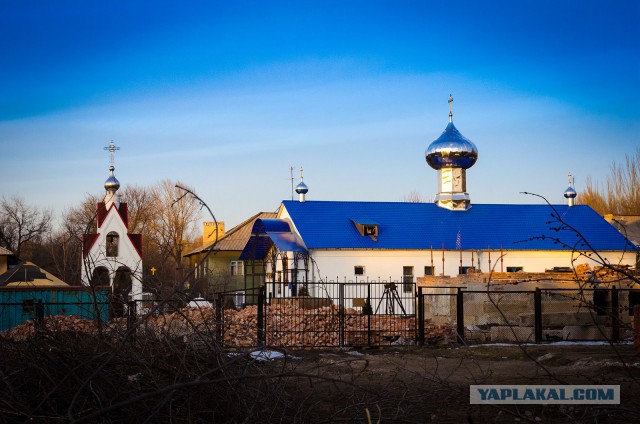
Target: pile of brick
[[286, 325], [51, 324], [608, 274], [600, 273], [241, 327], [583, 271]]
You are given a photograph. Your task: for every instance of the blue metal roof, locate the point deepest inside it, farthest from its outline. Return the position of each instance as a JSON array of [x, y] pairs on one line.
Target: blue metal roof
[[401, 225], [268, 232], [364, 221]]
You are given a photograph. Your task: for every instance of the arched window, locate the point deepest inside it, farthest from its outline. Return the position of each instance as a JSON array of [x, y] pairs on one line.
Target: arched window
[[112, 244], [100, 277], [122, 282], [121, 289]]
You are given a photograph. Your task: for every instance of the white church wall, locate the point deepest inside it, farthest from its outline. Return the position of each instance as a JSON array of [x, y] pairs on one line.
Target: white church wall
[[385, 264]]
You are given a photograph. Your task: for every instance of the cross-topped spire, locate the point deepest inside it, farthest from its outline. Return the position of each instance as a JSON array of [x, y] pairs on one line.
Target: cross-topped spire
[[112, 149], [301, 176], [570, 180], [450, 108]]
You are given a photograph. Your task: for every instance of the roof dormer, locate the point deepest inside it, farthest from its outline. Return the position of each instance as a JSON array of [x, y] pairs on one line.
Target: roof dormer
[[366, 227]]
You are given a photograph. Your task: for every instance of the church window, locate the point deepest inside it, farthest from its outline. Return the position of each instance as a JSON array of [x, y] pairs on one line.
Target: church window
[[463, 270], [358, 270], [112, 244], [100, 277], [370, 230], [366, 227], [407, 278]]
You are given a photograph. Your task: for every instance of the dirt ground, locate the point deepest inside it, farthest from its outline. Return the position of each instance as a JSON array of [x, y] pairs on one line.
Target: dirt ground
[[419, 384]]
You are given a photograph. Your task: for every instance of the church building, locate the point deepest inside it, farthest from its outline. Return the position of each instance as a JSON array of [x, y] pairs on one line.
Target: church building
[[112, 256], [400, 241]]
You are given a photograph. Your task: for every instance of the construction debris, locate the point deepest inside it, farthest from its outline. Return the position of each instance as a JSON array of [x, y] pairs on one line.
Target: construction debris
[[287, 325]]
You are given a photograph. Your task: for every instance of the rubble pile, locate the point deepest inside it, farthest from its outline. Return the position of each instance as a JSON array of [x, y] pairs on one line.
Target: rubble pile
[[52, 323], [583, 271], [600, 273], [286, 325], [608, 274]]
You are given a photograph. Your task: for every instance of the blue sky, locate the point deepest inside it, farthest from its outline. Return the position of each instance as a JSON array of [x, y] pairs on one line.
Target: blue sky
[[226, 96]]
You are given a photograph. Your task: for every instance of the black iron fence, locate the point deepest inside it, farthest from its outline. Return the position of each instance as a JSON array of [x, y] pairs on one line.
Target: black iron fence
[[358, 313], [344, 314]]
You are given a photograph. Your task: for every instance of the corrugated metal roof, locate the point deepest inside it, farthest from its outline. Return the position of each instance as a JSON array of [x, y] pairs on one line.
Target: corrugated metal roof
[[401, 225], [236, 238], [28, 273], [269, 232]]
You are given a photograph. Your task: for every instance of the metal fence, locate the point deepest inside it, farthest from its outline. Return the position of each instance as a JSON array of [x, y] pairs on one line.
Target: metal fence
[[337, 314], [343, 314]]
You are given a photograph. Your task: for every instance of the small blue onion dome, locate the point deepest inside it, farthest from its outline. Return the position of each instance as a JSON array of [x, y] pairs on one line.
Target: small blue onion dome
[[570, 193], [302, 188], [112, 184], [451, 150]]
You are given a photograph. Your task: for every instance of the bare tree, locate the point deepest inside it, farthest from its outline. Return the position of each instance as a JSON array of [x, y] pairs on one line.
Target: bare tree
[[621, 194], [414, 197], [173, 222], [21, 223], [139, 203]]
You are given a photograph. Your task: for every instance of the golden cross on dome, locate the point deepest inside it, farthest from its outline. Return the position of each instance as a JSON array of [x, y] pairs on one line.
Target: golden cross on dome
[[112, 149], [450, 107]]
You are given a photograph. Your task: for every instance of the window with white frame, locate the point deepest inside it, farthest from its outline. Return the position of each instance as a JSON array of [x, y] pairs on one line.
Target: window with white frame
[[237, 268]]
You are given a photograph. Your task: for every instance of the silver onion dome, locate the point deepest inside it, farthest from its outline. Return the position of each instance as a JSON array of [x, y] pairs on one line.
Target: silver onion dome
[[302, 188], [112, 184], [570, 193], [451, 150]]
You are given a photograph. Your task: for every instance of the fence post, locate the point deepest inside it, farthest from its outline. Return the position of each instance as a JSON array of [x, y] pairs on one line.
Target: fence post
[[615, 315], [420, 317], [341, 312], [460, 315], [261, 320], [636, 329], [39, 315], [369, 315], [219, 323], [537, 315]]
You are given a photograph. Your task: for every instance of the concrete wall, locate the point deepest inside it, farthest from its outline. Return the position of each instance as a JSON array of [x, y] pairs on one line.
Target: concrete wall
[[505, 315]]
